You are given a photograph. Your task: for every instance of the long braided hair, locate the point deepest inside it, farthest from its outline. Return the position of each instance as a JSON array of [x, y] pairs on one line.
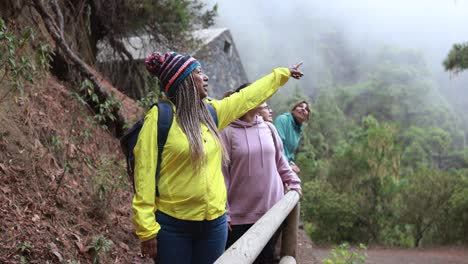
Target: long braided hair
[[190, 112]]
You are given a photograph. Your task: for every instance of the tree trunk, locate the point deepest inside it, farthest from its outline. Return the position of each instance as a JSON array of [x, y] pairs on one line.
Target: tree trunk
[[55, 29]]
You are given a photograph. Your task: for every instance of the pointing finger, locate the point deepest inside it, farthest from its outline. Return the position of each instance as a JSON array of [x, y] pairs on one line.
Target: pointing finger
[[297, 65]]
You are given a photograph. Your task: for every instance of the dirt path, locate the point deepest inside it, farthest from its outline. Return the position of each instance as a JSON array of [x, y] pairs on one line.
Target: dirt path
[[307, 253]]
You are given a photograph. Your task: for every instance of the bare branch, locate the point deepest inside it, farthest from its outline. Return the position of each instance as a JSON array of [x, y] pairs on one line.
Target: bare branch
[[58, 13]]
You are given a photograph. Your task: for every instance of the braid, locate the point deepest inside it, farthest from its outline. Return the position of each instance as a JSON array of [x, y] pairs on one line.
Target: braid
[[190, 112]]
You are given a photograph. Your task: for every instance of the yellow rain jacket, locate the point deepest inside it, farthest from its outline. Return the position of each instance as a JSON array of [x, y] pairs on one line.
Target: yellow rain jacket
[[183, 194]]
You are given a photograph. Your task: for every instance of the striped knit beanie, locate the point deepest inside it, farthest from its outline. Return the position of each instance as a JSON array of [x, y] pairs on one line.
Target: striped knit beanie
[[171, 69]]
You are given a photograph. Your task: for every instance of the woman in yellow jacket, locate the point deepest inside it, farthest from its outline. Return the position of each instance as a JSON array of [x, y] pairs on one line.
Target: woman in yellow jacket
[[186, 223]]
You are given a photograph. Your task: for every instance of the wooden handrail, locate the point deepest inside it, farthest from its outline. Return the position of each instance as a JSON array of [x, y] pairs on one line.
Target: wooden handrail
[[249, 246]]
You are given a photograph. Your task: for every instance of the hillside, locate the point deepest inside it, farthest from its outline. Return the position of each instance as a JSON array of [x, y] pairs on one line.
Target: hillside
[[64, 192], [62, 182]]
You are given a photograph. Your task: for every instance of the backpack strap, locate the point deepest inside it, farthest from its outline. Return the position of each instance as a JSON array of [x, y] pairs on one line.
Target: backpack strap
[[165, 117], [213, 113]]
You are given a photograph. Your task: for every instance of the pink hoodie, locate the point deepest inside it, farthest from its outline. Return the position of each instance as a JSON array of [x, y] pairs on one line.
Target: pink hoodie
[[258, 168]]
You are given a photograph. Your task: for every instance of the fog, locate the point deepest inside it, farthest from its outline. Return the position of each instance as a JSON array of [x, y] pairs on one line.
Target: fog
[[271, 33]]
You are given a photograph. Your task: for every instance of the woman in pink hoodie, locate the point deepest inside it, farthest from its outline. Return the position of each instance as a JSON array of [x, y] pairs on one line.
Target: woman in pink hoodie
[[256, 176]]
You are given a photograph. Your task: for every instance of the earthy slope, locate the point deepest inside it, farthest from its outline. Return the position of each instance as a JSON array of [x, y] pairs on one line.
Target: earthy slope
[[62, 182]]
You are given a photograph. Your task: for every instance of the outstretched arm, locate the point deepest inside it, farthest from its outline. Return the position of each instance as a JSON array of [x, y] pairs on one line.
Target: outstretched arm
[[236, 105]]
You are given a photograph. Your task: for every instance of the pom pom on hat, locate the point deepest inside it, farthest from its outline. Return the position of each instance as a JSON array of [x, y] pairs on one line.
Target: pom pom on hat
[[153, 63], [171, 69]]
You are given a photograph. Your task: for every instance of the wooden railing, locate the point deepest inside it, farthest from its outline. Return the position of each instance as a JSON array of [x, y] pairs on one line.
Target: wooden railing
[[249, 246]]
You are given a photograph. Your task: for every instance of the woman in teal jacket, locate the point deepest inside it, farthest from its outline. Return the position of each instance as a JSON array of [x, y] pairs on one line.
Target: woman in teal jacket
[[289, 127], [186, 223]]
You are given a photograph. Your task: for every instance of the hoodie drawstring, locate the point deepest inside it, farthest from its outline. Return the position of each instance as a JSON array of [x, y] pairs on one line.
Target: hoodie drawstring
[[260, 139], [248, 146]]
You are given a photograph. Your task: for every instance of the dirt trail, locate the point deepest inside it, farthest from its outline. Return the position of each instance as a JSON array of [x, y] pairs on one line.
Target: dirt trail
[[310, 254]]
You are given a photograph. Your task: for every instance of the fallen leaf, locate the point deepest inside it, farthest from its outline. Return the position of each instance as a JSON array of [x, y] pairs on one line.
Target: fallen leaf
[[55, 251], [3, 168], [5, 189], [124, 246], [36, 218], [17, 168]]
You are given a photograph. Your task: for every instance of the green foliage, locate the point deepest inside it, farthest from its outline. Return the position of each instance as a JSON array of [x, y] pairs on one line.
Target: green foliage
[[457, 216], [398, 88], [150, 99], [24, 250], [367, 167], [415, 156], [457, 59], [85, 133], [328, 117], [344, 254], [425, 198], [99, 246], [56, 143], [172, 18], [16, 66], [371, 153], [105, 110], [396, 235], [43, 57], [107, 180], [87, 88], [322, 205], [426, 147], [383, 158]]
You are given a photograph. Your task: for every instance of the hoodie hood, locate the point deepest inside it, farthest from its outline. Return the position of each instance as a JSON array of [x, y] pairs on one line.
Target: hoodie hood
[[242, 124], [242, 129]]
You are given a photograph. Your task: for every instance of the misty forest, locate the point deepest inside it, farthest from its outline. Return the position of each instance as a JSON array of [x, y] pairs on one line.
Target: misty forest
[[384, 156], [384, 159]]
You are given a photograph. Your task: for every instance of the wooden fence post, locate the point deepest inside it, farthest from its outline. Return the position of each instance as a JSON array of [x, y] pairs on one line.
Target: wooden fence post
[[289, 233]]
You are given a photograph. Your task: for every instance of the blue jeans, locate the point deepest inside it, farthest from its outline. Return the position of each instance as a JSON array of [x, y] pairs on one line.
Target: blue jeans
[[190, 242]]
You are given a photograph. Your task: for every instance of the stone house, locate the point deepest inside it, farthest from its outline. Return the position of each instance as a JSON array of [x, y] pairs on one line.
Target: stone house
[[216, 51]]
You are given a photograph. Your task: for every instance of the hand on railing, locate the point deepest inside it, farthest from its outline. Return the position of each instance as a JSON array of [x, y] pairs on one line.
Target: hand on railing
[[298, 190], [294, 167]]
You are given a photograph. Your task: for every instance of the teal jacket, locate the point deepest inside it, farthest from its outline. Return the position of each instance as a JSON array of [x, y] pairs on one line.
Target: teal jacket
[[290, 133]]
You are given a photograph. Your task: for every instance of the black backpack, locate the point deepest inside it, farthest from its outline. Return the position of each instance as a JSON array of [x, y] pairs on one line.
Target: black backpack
[[129, 140]]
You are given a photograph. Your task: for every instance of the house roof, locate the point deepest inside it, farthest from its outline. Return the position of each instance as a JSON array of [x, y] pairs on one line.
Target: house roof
[[140, 46], [208, 35]]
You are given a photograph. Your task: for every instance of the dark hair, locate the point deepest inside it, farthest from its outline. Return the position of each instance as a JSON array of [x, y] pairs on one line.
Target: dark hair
[[302, 102], [242, 87], [230, 92]]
